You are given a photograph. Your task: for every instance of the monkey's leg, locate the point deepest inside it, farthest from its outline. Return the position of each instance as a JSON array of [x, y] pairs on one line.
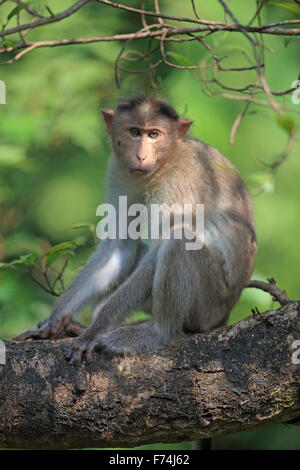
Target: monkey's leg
[[186, 284], [130, 340], [129, 297], [100, 302], [110, 264], [170, 286]]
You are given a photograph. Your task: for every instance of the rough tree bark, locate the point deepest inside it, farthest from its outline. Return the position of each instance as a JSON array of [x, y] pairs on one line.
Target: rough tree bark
[[233, 379]]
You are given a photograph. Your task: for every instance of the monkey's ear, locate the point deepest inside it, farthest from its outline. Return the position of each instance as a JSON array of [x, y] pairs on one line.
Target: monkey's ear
[[108, 115], [183, 126]]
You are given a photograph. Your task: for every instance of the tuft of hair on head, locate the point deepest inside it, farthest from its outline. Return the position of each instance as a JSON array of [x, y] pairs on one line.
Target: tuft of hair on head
[[158, 105], [165, 109], [131, 102]]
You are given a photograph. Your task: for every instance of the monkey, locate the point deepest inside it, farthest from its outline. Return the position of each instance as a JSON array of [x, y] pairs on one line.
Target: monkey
[[155, 161]]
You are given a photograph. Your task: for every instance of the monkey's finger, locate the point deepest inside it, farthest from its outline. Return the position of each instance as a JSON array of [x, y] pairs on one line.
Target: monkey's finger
[[56, 330], [58, 326], [76, 356], [66, 320], [69, 351], [89, 355], [74, 328], [34, 334]]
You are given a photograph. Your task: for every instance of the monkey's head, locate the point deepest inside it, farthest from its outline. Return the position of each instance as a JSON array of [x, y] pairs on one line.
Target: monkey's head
[[144, 132]]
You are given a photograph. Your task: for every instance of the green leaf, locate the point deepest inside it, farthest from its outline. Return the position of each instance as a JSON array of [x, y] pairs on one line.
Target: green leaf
[[180, 59], [38, 5], [287, 5], [12, 155], [14, 12], [8, 43], [12, 264], [90, 227], [287, 40], [84, 225], [5, 265], [263, 180], [55, 256], [286, 122], [30, 259], [60, 247], [16, 261]]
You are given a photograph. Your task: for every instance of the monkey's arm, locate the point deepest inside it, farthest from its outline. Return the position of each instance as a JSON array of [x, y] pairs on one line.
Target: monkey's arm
[[111, 263], [128, 297]]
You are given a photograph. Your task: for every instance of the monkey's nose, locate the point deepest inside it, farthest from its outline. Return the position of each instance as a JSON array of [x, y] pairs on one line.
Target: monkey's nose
[[141, 157]]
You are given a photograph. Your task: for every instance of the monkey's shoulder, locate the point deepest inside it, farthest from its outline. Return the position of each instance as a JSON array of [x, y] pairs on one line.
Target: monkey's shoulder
[[211, 158]]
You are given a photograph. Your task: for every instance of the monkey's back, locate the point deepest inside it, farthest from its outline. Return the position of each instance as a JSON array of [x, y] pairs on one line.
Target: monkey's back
[[228, 214]]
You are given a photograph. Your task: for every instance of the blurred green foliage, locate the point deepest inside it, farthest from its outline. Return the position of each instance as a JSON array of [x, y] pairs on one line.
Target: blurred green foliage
[[53, 153]]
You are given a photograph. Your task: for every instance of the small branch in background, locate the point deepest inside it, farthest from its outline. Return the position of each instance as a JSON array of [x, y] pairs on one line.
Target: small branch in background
[[42, 286], [271, 287], [289, 148], [271, 168], [156, 8], [61, 274], [40, 276], [210, 70], [143, 18], [195, 10], [43, 21], [29, 10], [237, 122], [50, 11]]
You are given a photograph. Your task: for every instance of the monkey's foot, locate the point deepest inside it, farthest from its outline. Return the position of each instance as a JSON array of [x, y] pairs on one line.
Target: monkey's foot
[[125, 340], [73, 329], [79, 347], [46, 330], [130, 340]]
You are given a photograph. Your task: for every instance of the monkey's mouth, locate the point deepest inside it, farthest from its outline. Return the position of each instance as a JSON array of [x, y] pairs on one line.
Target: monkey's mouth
[[138, 171]]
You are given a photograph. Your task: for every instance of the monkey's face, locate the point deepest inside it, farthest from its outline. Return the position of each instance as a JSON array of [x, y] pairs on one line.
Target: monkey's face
[[144, 146], [144, 138]]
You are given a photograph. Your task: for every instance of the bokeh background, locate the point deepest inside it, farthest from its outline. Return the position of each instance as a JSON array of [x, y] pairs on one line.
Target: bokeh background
[[54, 149]]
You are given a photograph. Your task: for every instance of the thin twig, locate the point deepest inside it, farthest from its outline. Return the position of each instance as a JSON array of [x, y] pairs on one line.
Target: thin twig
[[156, 8], [52, 19], [237, 122], [49, 290], [289, 148], [59, 278], [195, 10], [271, 288], [28, 9], [211, 24]]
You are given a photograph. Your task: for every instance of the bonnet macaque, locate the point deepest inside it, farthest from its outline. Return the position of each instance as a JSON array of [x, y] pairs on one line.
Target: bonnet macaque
[[154, 161]]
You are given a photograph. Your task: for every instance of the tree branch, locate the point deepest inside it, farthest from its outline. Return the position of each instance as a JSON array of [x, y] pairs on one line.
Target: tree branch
[[43, 21], [278, 295], [210, 24], [233, 379]]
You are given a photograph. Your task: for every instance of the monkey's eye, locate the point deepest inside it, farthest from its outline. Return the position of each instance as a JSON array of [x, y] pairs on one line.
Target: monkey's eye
[[153, 134], [134, 131]]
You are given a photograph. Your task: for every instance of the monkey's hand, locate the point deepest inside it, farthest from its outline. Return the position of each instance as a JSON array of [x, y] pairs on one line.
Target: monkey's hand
[[51, 328], [85, 343]]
